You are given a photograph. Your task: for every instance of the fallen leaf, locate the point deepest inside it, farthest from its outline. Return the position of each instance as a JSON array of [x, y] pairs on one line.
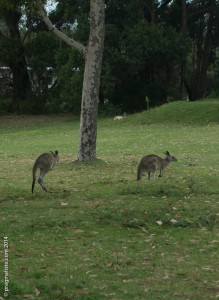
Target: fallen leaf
[[37, 292], [28, 296], [159, 223], [64, 203], [173, 221], [109, 265], [24, 269]]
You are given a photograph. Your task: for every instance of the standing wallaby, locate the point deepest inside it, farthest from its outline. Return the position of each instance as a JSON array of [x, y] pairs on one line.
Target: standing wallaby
[[45, 162], [151, 163]]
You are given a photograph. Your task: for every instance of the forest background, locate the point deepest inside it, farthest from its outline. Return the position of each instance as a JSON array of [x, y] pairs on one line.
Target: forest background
[[155, 52]]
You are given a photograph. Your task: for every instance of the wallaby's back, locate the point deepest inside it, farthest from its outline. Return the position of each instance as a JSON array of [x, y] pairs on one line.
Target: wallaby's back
[[45, 162]]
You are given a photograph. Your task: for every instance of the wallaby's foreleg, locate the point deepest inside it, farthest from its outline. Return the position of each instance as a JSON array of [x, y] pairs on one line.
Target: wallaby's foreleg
[[161, 173], [139, 172], [40, 180]]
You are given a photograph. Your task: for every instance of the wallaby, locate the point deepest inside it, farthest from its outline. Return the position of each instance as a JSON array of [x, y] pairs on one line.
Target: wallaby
[[45, 162], [151, 163], [120, 117]]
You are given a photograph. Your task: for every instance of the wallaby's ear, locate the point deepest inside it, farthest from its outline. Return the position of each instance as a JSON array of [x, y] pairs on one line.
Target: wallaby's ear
[[56, 153], [167, 153]]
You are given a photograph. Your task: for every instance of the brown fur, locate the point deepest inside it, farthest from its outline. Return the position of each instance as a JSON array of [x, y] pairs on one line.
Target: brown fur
[[151, 163], [45, 162]]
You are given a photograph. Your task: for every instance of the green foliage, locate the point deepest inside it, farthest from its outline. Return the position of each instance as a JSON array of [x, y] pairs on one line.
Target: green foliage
[[5, 106], [147, 53], [100, 234], [141, 58], [10, 49], [66, 95], [155, 45], [110, 110], [41, 51], [33, 105]]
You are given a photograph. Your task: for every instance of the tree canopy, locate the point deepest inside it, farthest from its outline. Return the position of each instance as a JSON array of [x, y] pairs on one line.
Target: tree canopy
[[165, 51]]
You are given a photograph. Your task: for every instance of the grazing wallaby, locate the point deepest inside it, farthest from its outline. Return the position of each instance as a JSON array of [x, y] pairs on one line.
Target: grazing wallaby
[[120, 117], [45, 162], [151, 163]]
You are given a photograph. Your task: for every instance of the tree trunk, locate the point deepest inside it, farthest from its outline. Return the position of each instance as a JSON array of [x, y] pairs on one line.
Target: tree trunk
[[91, 83], [93, 62], [183, 62], [17, 62], [200, 77], [21, 82]]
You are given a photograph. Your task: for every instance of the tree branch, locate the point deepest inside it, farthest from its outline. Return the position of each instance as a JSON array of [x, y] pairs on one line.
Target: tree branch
[[69, 41]]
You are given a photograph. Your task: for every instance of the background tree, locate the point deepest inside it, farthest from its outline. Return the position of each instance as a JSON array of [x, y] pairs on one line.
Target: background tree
[[12, 50], [203, 29], [93, 61], [165, 50], [42, 68], [200, 24], [143, 55]]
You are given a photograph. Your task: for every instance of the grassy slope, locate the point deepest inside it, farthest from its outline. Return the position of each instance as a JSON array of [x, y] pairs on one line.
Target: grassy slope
[[183, 112], [95, 236]]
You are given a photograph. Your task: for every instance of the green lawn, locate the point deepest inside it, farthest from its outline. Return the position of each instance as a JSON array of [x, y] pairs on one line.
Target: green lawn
[[100, 234]]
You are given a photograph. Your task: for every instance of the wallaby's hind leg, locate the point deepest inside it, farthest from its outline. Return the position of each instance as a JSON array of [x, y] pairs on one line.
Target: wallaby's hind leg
[[151, 175], [42, 185], [40, 180]]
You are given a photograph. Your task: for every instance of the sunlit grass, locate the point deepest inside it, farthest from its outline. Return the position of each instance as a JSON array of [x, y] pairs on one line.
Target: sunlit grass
[[100, 234]]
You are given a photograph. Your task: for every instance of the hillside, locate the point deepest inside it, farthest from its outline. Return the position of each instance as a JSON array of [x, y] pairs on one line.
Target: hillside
[[201, 112]]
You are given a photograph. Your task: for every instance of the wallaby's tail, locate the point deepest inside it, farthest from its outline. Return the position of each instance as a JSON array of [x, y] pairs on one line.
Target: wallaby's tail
[[34, 175], [139, 172]]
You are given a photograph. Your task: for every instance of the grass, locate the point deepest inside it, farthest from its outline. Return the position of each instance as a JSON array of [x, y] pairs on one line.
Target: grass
[[100, 234]]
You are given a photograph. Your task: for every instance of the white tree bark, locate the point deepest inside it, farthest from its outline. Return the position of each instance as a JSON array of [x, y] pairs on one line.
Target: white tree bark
[[93, 62], [69, 41], [91, 83]]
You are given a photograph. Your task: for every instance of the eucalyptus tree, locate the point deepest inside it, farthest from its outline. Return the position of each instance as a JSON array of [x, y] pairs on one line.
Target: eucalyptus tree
[[92, 53], [203, 28], [197, 20], [12, 49], [142, 56]]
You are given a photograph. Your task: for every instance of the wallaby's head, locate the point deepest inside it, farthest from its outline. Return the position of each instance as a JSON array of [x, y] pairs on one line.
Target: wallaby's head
[[169, 157], [56, 154]]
